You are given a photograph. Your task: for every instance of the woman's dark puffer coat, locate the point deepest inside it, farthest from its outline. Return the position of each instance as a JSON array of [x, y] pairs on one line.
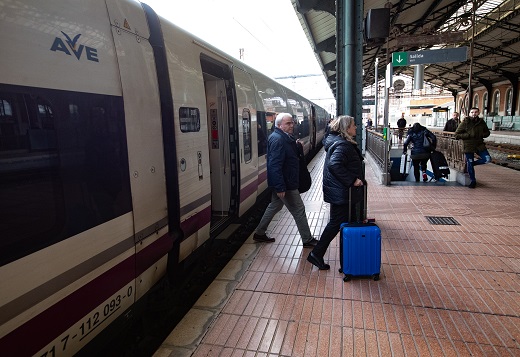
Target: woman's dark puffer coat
[[343, 165]]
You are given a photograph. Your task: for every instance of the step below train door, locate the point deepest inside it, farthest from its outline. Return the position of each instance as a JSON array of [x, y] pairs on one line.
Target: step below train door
[[221, 144]]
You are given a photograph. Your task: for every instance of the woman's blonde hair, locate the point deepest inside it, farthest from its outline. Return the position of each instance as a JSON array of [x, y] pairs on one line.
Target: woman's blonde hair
[[341, 124]]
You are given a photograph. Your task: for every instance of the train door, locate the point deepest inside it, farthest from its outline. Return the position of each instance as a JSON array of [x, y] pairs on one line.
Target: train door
[[248, 138], [222, 150], [216, 102]]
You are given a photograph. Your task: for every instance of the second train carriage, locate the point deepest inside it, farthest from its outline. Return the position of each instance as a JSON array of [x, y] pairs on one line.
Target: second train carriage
[[125, 144]]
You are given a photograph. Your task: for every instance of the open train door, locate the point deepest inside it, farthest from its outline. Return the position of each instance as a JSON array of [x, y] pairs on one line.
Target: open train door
[[222, 140]]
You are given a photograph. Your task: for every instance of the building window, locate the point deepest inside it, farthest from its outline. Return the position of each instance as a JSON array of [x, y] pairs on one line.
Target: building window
[[5, 109], [509, 101], [496, 102], [485, 103], [475, 101]]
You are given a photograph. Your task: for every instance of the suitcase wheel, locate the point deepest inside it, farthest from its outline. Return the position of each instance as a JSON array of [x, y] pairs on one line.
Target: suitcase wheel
[[376, 277], [347, 278]]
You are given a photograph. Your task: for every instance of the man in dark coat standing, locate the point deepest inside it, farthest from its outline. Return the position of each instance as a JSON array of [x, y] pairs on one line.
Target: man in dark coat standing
[[401, 125], [472, 131], [453, 123], [283, 179]]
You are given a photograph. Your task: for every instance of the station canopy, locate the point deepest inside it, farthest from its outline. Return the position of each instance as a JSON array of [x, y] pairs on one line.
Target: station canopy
[[488, 28]]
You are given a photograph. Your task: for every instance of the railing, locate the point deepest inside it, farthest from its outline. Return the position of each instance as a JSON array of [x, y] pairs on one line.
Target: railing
[[446, 143], [376, 147], [452, 149]]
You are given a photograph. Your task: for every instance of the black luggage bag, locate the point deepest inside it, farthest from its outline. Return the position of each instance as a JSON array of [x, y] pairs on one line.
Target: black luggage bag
[[439, 165]]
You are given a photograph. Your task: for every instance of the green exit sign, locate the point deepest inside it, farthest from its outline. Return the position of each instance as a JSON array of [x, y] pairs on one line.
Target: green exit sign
[[399, 59], [457, 54]]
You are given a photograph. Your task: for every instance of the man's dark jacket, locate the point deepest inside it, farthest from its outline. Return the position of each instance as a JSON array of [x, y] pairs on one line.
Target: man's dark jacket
[[282, 162], [451, 125], [343, 165]]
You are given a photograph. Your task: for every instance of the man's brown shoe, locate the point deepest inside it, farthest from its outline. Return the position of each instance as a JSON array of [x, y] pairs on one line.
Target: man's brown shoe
[[262, 238]]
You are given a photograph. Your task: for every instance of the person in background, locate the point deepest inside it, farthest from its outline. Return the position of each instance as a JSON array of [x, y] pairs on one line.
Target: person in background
[[262, 141], [327, 131], [420, 154], [283, 179], [453, 123], [369, 123], [401, 125], [472, 132], [342, 170]]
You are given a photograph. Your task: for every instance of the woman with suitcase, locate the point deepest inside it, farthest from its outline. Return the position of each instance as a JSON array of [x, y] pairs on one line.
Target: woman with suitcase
[[342, 170]]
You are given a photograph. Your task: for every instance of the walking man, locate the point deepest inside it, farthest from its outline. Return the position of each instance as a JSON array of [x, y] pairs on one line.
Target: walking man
[[401, 125], [472, 131], [282, 178]]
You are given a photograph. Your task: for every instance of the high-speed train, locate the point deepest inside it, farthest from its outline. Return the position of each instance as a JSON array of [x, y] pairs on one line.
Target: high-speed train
[[126, 143]]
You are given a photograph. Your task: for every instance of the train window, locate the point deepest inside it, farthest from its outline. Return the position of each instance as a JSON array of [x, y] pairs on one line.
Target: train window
[[59, 177], [246, 134], [189, 119]]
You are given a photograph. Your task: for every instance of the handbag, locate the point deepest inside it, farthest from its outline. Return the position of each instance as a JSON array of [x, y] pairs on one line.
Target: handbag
[[305, 180], [426, 141]]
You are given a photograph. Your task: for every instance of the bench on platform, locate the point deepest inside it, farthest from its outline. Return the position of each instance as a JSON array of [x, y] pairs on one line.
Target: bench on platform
[[506, 126]]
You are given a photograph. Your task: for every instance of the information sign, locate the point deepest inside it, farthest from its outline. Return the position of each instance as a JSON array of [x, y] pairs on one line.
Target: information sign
[[459, 54]]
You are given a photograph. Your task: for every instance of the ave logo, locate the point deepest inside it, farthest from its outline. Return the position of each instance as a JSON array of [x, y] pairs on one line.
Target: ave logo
[[72, 48]]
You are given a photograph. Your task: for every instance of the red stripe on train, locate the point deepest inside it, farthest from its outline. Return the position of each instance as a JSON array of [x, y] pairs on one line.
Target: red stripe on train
[[196, 222], [148, 256], [252, 188]]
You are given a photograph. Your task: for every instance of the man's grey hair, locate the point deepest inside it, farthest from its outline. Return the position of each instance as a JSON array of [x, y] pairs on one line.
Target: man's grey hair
[[280, 117]]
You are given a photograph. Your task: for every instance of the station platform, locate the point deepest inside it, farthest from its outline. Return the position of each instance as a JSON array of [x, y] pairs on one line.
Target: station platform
[[444, 290]]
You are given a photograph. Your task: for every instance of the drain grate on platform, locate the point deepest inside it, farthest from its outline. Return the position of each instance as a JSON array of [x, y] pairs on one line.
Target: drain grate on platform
[[443, 221]]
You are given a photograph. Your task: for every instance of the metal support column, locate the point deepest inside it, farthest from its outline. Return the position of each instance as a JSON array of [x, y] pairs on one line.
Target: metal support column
[[349, 60], [376, 99]]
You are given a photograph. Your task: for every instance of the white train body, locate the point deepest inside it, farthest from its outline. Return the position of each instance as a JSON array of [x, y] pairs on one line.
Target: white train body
[[122, 138]]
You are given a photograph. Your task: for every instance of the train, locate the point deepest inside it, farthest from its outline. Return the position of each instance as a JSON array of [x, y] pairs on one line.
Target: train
[[126, 144]]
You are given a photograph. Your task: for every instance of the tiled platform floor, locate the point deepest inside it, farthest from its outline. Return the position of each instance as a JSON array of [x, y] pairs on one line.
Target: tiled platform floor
[[445, 290]]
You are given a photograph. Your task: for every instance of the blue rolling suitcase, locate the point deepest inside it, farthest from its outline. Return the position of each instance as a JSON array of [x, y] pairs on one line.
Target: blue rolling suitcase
[[360, 250], [360, 245]]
